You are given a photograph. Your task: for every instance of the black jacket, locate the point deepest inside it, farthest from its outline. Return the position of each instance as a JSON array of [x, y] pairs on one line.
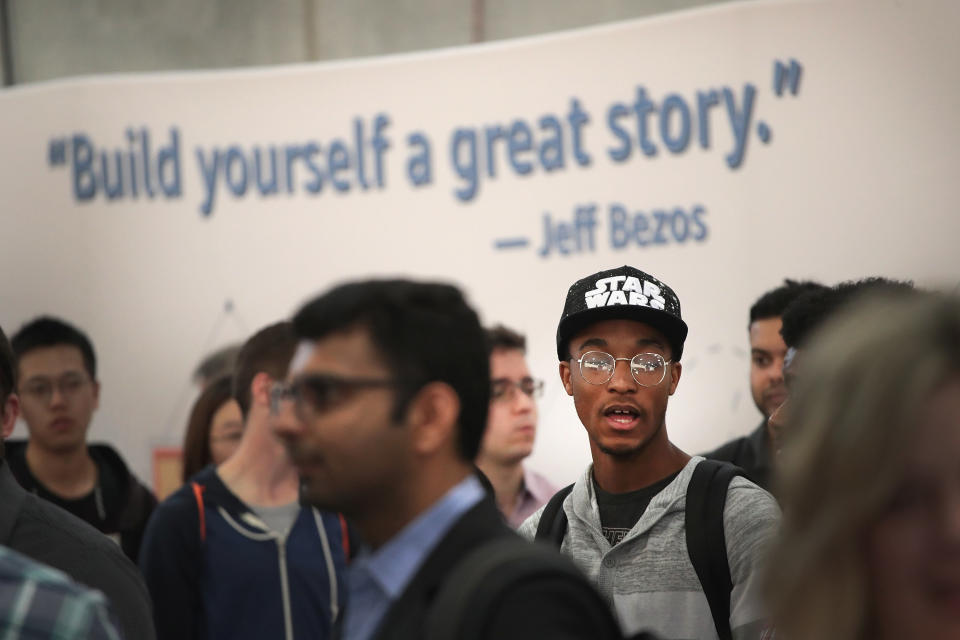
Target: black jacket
[[534, 609], [50, 535], [122, 507], [751, 453]]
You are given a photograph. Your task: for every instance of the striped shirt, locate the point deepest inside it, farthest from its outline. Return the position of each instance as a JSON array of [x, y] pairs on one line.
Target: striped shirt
[[40, 603]]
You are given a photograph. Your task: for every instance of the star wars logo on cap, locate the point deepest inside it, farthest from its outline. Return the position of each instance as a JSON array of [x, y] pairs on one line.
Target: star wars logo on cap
[[624, 290]]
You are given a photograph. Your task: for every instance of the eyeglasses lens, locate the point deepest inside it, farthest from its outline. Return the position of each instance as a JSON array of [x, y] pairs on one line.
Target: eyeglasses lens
[[647, 369], [596, 367], [504, 388]]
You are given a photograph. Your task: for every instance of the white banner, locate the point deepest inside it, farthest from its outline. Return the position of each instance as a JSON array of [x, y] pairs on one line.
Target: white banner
[[720, 150]]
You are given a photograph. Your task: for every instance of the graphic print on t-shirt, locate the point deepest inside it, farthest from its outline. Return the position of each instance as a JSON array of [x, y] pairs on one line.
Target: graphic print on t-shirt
[[619, 512], [614, 534]]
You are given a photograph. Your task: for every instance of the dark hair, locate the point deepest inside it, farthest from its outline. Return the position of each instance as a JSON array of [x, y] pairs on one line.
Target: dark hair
[[196, 441], [47, 331], [810, 310], [8, 372], [267, 351], [773, 302], [425, 332], [500, 337]]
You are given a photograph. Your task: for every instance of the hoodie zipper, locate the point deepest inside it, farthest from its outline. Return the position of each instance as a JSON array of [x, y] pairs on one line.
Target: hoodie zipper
[[285, 588]]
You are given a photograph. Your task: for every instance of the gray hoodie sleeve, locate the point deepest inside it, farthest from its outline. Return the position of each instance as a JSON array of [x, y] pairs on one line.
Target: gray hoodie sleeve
[[528, 529]]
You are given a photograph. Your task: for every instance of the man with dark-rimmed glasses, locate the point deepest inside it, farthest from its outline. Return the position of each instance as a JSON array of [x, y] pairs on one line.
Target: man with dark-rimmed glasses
[[619, 341], [391, 389], [512, 428]]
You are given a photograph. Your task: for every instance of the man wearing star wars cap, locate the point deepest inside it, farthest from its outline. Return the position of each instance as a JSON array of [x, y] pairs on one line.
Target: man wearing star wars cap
[[624, 522]]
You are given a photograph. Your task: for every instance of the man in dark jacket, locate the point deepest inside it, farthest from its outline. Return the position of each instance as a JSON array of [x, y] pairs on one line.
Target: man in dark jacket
[[754, 453], [48, 534], [59, 391], [390, 390]]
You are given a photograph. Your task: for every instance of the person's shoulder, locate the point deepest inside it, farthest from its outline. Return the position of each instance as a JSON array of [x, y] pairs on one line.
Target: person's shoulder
[[751, 517], [44, 525], [520, 590], [142, 494], [730, 451], [179, 513], [110, 461], [548, 597], [747, 497], [181, 501], [206, 488], [15, 457], [528, 529], [56, 538]]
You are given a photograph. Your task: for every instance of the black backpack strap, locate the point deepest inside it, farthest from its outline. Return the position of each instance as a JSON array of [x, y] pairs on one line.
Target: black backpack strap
[[553, 520], [706, 540], [474, 588]]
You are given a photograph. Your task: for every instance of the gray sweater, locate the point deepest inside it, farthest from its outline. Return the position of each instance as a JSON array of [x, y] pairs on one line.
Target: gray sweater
[[648, 577]]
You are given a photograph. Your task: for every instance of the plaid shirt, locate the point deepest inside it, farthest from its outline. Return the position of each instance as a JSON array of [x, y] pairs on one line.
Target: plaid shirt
[[40, 603]]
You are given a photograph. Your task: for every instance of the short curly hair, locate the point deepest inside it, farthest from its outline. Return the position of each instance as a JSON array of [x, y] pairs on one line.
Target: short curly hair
[[772, 303], [808, 311]]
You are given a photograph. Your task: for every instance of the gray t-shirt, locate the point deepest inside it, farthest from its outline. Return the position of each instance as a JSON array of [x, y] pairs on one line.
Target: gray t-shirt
[[280, 518]]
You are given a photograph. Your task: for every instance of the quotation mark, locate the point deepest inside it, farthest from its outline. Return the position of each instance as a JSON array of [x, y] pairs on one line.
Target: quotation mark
[[57, 154], [785, 76]]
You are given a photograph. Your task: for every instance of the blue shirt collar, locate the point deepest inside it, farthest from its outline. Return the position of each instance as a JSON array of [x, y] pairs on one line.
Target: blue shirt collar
[[393, 565]]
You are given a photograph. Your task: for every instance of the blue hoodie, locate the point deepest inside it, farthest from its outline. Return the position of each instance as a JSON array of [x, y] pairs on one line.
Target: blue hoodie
[[226, 576]]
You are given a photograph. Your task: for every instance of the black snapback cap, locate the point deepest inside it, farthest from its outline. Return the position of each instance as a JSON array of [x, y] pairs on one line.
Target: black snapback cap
[[622, 293]]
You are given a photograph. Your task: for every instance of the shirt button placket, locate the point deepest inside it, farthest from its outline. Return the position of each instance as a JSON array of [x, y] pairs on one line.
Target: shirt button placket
[[608, 577]]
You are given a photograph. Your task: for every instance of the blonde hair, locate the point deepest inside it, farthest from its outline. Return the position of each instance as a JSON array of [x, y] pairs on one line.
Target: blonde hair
[[862, 383]]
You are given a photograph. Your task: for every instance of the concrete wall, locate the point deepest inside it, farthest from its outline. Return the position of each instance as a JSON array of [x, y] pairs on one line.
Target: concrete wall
[[58, 38]]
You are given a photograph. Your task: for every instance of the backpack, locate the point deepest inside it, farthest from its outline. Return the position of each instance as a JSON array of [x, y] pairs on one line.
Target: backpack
[[703, 524], [482, 579]]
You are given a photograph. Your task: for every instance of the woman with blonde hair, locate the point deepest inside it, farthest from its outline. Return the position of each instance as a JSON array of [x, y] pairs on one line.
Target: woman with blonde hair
[[870, 477]]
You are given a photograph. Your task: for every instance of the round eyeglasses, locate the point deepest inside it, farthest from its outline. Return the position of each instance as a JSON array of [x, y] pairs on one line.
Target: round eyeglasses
[[648, 369]]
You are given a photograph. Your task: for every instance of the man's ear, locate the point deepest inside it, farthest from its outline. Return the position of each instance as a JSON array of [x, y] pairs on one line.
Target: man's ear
[[565, 377], [96, 394], [260, 389], [433, 418], [675, 370], [9, 413]]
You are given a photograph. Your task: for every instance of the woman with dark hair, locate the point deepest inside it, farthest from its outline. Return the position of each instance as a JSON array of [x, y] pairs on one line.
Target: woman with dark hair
[[214, 428]]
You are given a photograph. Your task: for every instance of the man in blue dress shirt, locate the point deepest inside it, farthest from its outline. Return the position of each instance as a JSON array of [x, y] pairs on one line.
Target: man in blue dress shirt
[[390, 390]]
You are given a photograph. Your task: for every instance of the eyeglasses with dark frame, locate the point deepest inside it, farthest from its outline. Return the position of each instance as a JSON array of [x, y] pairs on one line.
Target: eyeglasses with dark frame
[[315, 393], [41, 389], [503, 388], [647, 369]]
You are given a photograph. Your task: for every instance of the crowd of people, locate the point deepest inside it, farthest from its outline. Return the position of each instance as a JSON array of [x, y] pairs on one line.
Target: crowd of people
[[359, 471]]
